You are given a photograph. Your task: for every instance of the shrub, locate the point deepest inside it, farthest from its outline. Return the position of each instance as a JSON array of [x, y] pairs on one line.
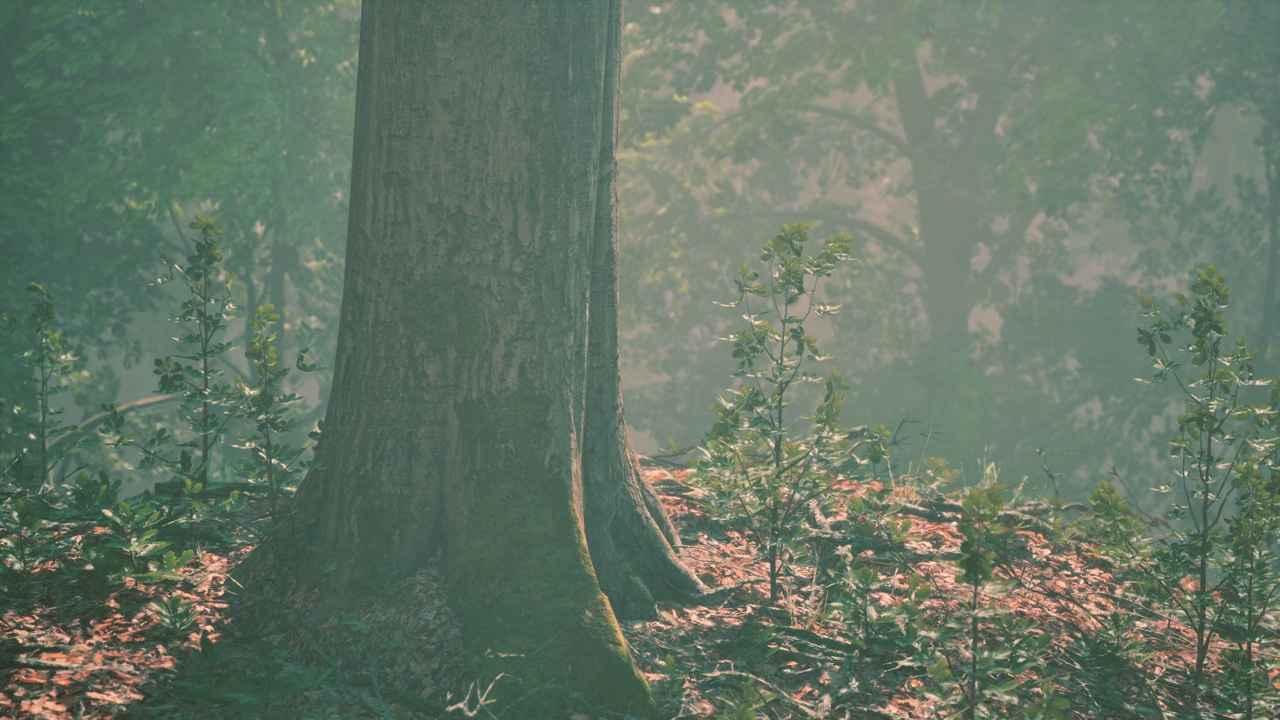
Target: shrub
[[1217, 567], [756, 468]]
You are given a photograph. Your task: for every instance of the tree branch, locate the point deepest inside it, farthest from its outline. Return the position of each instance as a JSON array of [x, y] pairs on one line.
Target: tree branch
[[881, 235], [81, 429], [864, 124], [887, 239]]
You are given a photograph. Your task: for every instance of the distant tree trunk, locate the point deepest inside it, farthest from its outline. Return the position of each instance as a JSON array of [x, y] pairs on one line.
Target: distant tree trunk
[[476, 405], [1270, 142]]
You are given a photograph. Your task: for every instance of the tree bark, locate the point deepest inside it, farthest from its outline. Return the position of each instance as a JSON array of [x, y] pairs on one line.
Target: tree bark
[[476, 407], [633, 543]]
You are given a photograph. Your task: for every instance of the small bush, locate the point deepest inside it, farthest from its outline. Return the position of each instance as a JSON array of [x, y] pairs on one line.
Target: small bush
[[756, 468]]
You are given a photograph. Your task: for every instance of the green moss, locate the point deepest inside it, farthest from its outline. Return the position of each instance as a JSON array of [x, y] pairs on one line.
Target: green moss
[[531, 605]]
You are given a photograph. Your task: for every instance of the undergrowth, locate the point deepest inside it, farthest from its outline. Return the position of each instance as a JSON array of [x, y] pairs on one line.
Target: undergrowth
[[1189, 631], [870, 591]]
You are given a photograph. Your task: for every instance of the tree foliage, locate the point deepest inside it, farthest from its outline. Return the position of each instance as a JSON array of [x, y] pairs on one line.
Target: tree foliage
[[118, 116], [1010, 170]]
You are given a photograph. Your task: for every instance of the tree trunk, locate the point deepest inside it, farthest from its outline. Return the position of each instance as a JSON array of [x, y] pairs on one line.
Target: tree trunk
[[476, 405], [1270, 141], [632, 541]]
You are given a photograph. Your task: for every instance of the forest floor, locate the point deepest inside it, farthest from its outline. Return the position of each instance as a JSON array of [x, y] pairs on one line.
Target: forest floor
[[68, 653]]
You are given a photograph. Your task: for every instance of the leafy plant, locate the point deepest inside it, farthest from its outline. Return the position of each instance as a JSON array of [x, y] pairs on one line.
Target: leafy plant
[[755, 467], [1109, 661], [24, 537], [983, 681], [204, 314], [1114, 527], [675, 674], [86, 494], [176, 615], [742, 703], [49, 360], [268, 405], [166, 568], [132, 538], [892, 635], [1217, 567]]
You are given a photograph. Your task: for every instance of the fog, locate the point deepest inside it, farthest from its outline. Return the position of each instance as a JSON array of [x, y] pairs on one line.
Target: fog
[[1012, 174]]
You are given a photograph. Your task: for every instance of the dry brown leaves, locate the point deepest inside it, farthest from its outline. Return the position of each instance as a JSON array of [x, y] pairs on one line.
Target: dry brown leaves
[[91, 657], [100, 657]]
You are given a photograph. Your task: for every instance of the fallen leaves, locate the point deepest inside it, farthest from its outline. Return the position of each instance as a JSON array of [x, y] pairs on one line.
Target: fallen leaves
[[76, 654]]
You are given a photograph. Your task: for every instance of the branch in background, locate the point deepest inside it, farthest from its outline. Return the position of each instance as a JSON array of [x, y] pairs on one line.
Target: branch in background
[[914, 113], [73, 434], [177, 228], [864, 124], [886, 238]]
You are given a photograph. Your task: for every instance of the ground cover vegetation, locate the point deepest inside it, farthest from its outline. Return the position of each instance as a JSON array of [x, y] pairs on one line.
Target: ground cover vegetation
[[1008, 175], [840, 584]]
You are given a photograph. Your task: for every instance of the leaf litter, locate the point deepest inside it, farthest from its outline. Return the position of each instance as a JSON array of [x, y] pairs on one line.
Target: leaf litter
[[101, 652]]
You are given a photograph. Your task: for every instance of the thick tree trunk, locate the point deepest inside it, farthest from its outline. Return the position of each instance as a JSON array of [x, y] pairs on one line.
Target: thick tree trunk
[[631, 540], [468, 402]]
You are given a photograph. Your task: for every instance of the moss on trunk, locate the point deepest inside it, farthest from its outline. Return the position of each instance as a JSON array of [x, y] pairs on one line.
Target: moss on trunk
[[531, 605]]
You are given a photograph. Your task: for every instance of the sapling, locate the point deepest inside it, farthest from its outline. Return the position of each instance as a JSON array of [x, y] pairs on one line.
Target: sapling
[[266, 403], [1251, 586], [204, 315], [50, 362], [1217, 565], [755, 466], [987, 679]]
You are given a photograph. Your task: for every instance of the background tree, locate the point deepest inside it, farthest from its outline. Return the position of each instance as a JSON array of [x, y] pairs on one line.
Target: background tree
[[476, 407], [1242, 64], [118, 116], [993, 159]]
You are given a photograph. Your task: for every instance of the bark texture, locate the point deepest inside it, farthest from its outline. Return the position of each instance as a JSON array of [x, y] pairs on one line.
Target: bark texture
[[633, 543], [476, 406]]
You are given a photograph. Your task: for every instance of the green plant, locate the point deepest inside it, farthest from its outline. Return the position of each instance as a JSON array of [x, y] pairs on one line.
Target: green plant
[[1217, 566], [176, 615], [268, 405], [131, 540], [744, 702], [983, 681], [204, 314], [676, 675], [86, 495], [1109, 660], [755, 467], [166, 568], [891, 635], [1251, 585], [1251, 589], [24, 537], [1114, 527], [50, 362]]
